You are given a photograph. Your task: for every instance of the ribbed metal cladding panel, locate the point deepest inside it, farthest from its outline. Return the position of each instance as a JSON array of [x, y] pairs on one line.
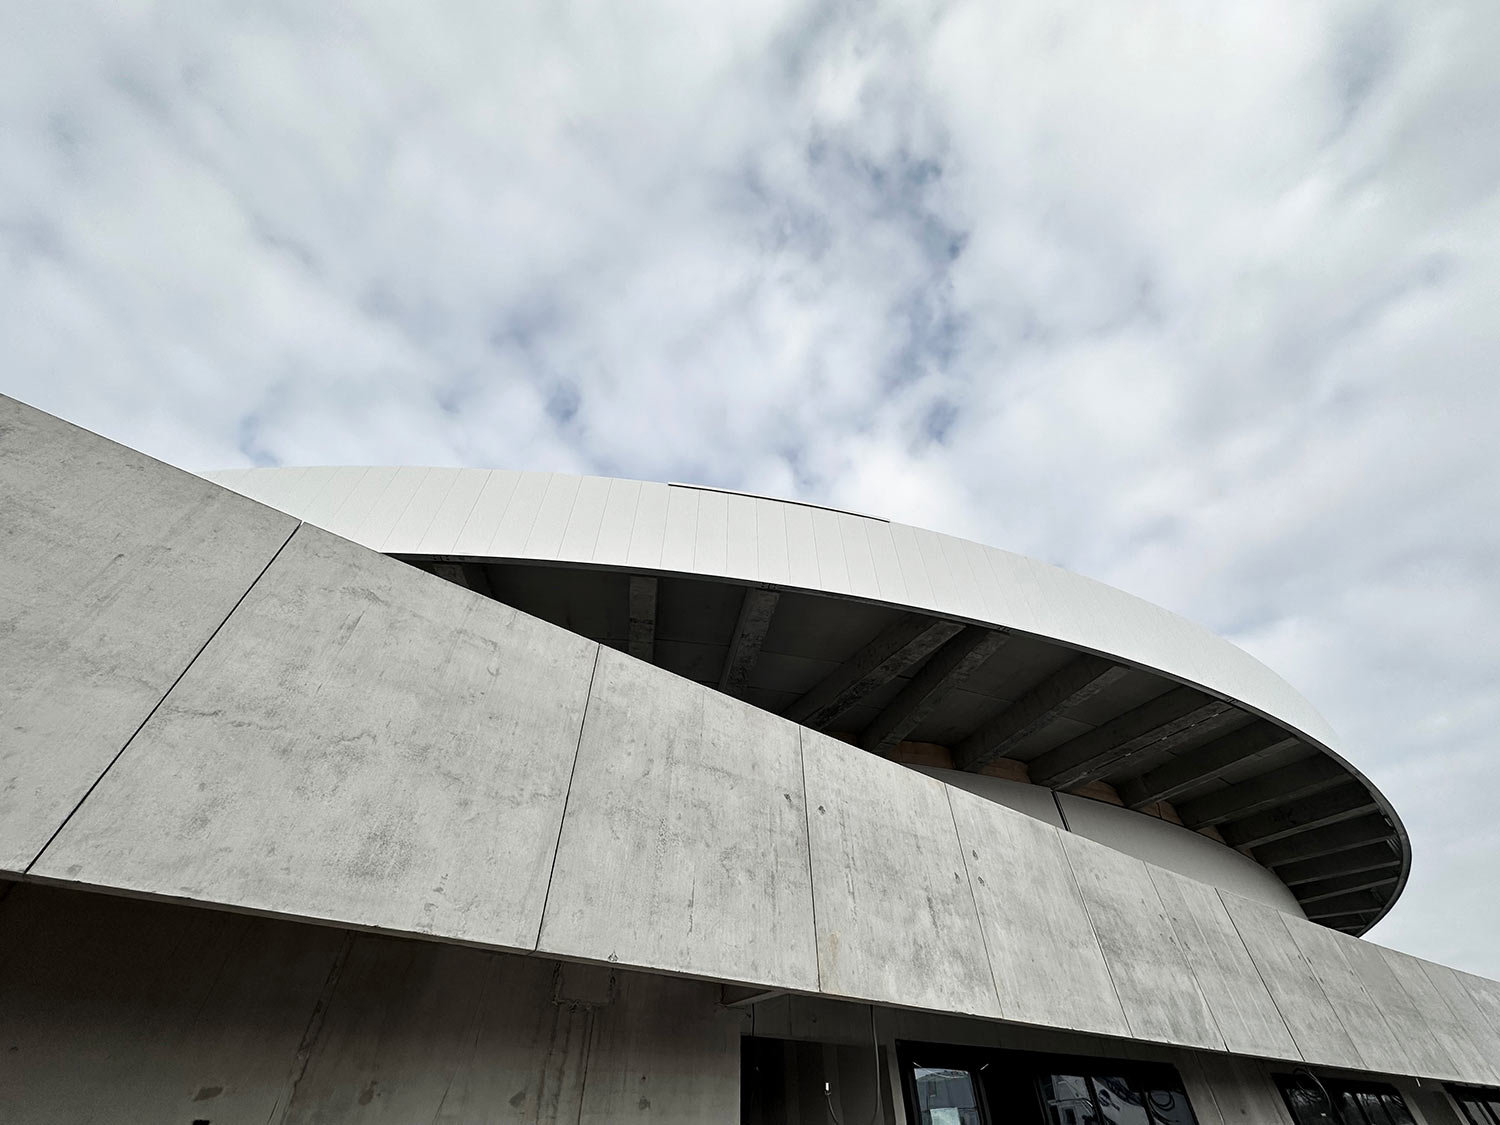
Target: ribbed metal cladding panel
[[680, 530], [477, 535], [544, 541], [581, 533], [711, 539]]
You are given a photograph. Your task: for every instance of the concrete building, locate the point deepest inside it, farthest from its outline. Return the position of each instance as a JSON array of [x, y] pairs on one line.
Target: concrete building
[[418, 795]]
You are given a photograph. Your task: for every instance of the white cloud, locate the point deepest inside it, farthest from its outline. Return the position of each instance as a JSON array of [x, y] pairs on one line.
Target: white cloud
[[1196, 300]]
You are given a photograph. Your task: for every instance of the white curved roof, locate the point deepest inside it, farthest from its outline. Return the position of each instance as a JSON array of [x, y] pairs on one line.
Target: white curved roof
[[687, 529]]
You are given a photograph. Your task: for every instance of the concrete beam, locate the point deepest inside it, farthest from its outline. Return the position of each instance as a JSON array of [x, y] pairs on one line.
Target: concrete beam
[[1350, 924], [1379, 878], [898, 648], [1346, 836], [1355, 902], [1155, 724], [749, 634], [949, 667], [1056, 695], [1370, 857], [1257, 794], [1344, 803], [746, 996], [1196, 766], [642, 643]]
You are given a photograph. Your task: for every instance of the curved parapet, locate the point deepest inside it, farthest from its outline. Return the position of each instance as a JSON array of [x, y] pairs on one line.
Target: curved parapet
[[350, 741], [915, 645]]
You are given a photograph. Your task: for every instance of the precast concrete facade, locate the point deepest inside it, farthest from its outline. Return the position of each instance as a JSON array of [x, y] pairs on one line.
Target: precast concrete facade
[[439, 795]]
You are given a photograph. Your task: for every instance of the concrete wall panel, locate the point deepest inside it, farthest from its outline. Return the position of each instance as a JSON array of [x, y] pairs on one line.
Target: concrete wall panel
[[1161, 998], [114, 571], [361, 743], [1449, 984], [1361, 1016], [1419, 1042], [1319, 1034], [1176, 848], [1242, 1007], [433, 1033], [684, 846], [1454, 1035], [895, 916], [1242, 1092], [663, 1051], [1035, 801], [1200, 1091], [118, 1012], [1028, 900], [1486, 994]]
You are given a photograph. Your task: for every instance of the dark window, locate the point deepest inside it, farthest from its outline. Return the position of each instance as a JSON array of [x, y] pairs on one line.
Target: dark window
[[1480, 1104], [946, 1096], [975, 1086], [1068, 1100], [1332, 1101]]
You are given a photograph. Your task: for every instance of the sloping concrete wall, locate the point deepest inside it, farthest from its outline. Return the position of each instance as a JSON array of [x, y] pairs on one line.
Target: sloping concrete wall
[[114, 572], [353, 746], [368, 746]]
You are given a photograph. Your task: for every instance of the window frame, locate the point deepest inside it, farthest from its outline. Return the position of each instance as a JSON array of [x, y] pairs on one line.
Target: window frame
[[1032, 1069], [1487, 1099], [1337, 1090]]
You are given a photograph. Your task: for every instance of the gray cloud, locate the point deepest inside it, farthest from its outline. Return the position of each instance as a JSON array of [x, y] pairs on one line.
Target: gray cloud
[[1200, 302]]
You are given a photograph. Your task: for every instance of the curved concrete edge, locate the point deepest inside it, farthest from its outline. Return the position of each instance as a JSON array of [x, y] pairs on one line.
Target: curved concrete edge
[[364, 745], [691, 531]]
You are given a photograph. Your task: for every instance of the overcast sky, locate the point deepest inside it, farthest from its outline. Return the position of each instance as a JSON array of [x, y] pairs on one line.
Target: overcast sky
[[1200, 300]]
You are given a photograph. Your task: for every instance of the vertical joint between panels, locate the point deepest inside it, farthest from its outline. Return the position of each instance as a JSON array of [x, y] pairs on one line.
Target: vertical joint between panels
[[1187, 963], [984, 941], [562, 819], [812, 883], [155, 707], [1261, 976], [1094, 932]]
